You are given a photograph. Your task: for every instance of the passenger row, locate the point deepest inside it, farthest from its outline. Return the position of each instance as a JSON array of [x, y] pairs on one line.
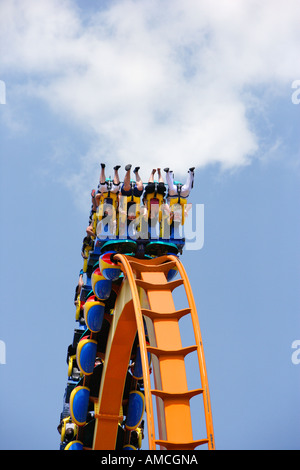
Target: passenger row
[[117, 205]]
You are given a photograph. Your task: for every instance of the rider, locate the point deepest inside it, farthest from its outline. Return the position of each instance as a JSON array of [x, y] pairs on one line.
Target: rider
[[185, 189], [130, 194], [177, 193], [127, 188], [152, 187], [154, 195], [107, 200], [79, 287], [103, 186]]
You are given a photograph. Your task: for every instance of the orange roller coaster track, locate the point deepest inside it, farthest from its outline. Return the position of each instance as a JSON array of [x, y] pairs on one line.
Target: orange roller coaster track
[[145, 300]]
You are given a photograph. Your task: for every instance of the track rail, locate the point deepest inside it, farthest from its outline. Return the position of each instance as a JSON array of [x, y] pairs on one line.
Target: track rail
[[146, 297]]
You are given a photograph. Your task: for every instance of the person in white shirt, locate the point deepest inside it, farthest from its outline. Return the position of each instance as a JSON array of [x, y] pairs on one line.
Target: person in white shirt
[[173, 186]]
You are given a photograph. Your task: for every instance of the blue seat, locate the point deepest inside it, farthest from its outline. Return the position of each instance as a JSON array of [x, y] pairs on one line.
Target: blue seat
[[93, 315], [86, 355], [135, 411], [79, 403], [74, 445]]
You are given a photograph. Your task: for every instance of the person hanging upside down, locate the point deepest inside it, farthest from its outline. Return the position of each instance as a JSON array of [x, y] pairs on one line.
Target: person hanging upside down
[[128, 189], [155, 191], [155, 187], [185, 189], [104, 187]]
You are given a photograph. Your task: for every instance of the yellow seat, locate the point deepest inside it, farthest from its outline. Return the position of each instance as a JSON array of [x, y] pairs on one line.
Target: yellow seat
[[106, 199], [174, 200], [160, 198], [124, 204], [77, 314], [139, 432], [103, 200], [66, 421], [86, 253], [70, 365]]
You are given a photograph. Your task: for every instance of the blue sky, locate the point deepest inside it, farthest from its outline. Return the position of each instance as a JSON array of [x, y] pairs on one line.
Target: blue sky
[[189, 84]]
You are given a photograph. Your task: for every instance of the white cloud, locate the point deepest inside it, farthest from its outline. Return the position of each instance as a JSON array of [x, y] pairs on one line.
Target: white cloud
[[157, 83]]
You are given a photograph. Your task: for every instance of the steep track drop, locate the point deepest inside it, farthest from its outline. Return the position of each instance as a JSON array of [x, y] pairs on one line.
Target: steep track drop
[[145, 298]]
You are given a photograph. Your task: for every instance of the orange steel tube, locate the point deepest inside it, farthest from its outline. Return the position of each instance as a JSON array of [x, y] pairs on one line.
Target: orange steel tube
[[172, 369], [113, 380], [143, 348], [175, 428], [200, 351]]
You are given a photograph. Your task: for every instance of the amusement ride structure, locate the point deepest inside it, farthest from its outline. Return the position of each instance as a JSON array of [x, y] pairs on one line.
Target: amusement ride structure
[[127, 374]]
